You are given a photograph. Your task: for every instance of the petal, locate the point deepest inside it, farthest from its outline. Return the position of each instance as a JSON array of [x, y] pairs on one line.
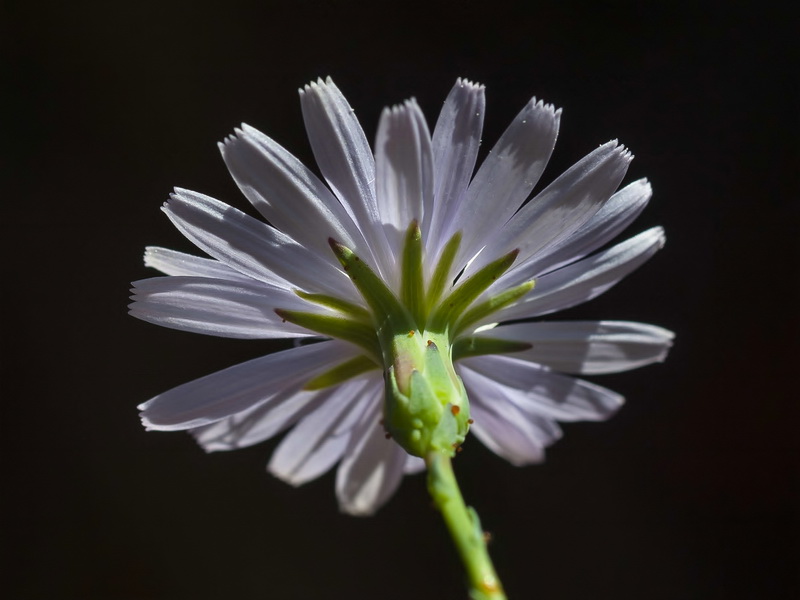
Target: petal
[[345, 159], [372, 468], [240, 387], [506, 177], [588, 347], [288, 194], [585, 279], [560, 209], [414, 465], [404, 170], [318, 441], [537, 390], [237, 309], [456, 139], [608, 222], [508, 425], [260, 422], [171, 262], [252, 247]]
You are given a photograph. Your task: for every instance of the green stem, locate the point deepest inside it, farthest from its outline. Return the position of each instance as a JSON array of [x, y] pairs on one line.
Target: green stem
[[465, 529]]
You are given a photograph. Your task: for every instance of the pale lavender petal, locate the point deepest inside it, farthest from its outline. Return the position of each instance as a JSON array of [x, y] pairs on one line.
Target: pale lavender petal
[[588, 347], [172, 262], [560, 209], [585, 279], [320, 439], [237, 309], [506, 177], [267, 419], [456, 139], [252, 247], [414, 465], [507, 426], [289, 195], [345, 159], [260, 422], [608, 222], [538, 390], [372, 467], [240, 387], [404, 171]]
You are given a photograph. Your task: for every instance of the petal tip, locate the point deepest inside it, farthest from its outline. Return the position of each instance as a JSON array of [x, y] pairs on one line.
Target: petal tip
[[661, 235], [356, 510], [463, 82]]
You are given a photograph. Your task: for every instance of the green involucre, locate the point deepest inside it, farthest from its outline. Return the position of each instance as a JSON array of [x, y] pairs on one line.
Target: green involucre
[[454, 305], [426, 407], [492, 305], [411, 336], [348, 309], [439, 279], [341, 373], [336, 327], [477, 346], [412, 282]]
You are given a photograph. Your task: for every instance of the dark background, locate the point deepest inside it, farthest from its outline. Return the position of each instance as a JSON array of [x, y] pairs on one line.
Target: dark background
[[692, 491]]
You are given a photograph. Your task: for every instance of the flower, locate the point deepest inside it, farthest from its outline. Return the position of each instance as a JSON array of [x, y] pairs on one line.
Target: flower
[[409, 268]]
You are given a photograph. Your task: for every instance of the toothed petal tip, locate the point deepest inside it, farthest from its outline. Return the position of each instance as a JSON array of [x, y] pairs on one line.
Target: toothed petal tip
[[657, 234], [178, 193], [474, 85], [316, 86], [150, 252], [544, 106], [247, 131]]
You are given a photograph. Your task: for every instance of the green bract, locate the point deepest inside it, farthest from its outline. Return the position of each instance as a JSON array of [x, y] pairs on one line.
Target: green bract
[[413, 337]]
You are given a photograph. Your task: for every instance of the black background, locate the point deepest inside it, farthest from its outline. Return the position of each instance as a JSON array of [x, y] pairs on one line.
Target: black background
[[691, 491]]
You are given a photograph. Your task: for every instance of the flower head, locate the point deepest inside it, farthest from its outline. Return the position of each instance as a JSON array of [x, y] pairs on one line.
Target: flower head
[[403, 268]]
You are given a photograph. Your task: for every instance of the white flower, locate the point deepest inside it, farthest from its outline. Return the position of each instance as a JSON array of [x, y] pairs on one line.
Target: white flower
[[415, 216]]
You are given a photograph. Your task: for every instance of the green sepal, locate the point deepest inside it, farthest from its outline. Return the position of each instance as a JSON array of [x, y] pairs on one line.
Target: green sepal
[[412, 282], [479, 345], [341, 373], [335, 327], [349, 309], [493, 304], [441, 275], [454, 305], [382, 301]]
